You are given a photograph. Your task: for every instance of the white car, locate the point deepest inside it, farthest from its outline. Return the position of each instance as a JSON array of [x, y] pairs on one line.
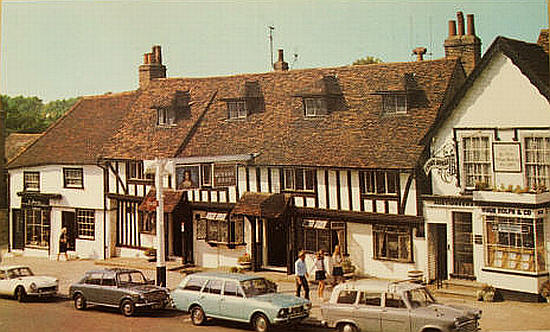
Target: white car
[[20, 282]]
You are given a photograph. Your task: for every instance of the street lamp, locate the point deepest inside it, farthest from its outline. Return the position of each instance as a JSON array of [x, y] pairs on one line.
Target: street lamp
[[161, 257]]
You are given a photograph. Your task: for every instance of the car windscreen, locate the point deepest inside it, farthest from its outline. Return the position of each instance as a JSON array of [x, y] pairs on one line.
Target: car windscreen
[[131, 278], [419, 297], [20, 272], [255, 287]]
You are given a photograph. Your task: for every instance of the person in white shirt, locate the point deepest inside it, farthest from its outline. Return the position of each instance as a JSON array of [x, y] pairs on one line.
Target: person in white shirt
[[301, 275], [337, 271], [320, 272]]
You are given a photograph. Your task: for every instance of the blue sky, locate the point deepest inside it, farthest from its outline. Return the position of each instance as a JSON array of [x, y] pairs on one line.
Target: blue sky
[[61, 49]]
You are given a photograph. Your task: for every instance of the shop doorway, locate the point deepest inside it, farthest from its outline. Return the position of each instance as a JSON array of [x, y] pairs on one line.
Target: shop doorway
[[463, 248], [440, 232], [277, 239], [68, 220], [18, 228]]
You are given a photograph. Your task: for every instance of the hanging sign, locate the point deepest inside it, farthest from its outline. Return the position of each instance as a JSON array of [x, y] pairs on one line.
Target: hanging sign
[[444, 161]]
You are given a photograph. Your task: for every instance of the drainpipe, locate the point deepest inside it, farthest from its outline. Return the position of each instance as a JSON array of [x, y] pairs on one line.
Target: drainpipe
[[105, 190]]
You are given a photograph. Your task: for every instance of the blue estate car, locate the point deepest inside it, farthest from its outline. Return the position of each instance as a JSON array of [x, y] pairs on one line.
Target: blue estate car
[[238, 297]]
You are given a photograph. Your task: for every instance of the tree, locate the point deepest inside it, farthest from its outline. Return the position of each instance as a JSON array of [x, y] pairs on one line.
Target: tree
[[367, 60]]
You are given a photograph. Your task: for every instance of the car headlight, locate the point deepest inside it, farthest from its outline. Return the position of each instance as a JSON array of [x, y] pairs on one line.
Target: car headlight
[[283, 312], [32, 287]]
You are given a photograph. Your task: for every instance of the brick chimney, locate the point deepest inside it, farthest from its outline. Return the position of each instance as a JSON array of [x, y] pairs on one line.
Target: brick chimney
[[280, 65], [419, 51], [466, 46], [152, 67]]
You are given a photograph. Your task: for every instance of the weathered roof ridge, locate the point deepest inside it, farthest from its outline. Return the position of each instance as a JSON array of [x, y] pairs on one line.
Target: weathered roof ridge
[[110, 95]]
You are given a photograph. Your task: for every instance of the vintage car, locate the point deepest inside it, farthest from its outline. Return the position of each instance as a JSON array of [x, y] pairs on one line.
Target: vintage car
[[126, 289], [382, 306], [238, 297], [20, 282]]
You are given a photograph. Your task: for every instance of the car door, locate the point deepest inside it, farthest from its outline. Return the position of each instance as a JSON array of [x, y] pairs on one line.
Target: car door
[[232, 302], [92, 287], [344, 306], [368, 311], [210, 297], [395, 314], [110, 293]]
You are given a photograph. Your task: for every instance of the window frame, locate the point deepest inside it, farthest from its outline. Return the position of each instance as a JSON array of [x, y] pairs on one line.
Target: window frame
[[292, 181], [227, 231], [26, 182], [392, 230], [237, 109], [84, 226], [165, 117], [370, 185], [393, 107], [476, 164], [314, 106], [540, 166], [66, 179], [331, 230], [42, 226]]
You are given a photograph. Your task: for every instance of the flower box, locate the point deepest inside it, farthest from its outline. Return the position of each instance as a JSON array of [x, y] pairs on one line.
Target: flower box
[[510, 197]]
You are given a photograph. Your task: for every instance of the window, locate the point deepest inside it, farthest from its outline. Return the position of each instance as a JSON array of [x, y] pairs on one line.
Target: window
[[206, 175], [108, 281], [515, 243], [370, 299], [165, 117], [322, 234], [379, 182], [147, 222], [477, 161], [394, 104], [537, 162], [394, 300], [232, 289], [73, 178], [93, 278], [194, 284], [236, 109], [220, 230], [224, 175], [31, 181], [315, 106], [213, 286], [37, 224], [85, 220], [135, 170], [347, 297], [392, 242], [300, 179]]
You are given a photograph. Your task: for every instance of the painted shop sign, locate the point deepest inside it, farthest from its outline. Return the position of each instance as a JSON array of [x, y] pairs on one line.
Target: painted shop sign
[[529, 213], [444, 161], [507, 157]]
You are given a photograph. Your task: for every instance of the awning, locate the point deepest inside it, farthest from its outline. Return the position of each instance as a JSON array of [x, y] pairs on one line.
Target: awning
[[261, 205], [172, 199], [38, 195], [360, 217]]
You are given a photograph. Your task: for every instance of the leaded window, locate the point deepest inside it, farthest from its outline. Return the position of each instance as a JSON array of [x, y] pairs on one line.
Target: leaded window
[[73, 178], [537, 162], [476, 152], [236, 109], [37, 225], [31, 181], [299, 179], [85, 220]]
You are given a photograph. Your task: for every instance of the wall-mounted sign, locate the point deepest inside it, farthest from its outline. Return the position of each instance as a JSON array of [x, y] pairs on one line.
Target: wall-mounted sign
[[507, 157], [444, 161]]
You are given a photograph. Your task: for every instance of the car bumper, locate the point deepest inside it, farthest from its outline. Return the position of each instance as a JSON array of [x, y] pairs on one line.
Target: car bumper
[[47, 291], [290, 319], [153, 304]]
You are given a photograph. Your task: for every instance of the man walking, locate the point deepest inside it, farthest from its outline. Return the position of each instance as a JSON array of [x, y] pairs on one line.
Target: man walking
[[301, 274]]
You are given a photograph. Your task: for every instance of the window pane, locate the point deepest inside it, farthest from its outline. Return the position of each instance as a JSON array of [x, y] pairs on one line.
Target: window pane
[[86, 223], [347, 297], [299, 179], [206, 175], [370, 299], [289, 179], [310, 179], [230, 288], [380, 182], [392, 182]]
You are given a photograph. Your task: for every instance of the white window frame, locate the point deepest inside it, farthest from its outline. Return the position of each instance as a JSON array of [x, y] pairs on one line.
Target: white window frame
[[540, 164], [39, 222], [315, 106], [372, 189], [73, 178], [291, 178], [165, 117], [237, 109], [85, 222], [394, 104], [31, 184], [467, 158]]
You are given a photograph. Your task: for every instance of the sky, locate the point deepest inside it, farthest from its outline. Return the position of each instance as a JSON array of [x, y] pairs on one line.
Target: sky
[[63, 49]]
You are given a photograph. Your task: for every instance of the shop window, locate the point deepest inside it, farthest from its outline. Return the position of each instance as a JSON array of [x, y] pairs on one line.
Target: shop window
[[37, 225], [323, 234], [537, 162], [476, 152], [147, 222], [379, 182], [85, 220], [392, 243], [515, 243], [299, 179], [73, 178], [31, 181], [216, 228]]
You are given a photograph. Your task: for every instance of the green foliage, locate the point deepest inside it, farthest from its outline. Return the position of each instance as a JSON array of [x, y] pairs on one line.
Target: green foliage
[[367, 60], [30, 114]]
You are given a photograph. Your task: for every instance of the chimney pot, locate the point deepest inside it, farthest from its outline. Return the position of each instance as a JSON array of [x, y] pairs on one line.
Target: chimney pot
[[471, 26], [145, 59], [280, 65], [452, 28], [419, 51], [157, 55], [460, 19], [281, 55], [150, 58]]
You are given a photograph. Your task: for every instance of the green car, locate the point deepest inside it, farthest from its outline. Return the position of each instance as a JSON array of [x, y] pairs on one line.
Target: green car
[[238, 297]]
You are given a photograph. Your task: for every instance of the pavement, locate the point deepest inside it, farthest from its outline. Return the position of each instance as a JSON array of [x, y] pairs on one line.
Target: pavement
[[497, 316]]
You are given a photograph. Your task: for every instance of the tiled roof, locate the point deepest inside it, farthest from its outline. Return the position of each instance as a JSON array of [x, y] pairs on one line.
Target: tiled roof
[[171, 197], [261, 205], [354, 135], [77, 137], [15, 143]]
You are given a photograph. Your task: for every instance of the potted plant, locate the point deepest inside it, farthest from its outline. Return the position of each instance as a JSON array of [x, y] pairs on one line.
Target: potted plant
[[347, 267], [244, 261]]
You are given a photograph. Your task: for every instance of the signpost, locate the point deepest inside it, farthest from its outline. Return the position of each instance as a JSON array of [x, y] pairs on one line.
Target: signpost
[[161, 254]]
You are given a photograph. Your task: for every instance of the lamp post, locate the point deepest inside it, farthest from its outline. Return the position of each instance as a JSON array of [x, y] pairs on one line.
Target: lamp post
[[161, 257]]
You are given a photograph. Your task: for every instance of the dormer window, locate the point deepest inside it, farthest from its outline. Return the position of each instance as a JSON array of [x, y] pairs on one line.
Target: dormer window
[[315, 106], [237, 109], [394, 104], [165, 117]]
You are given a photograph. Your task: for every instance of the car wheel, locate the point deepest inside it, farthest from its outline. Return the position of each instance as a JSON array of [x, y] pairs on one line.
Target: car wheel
[[260, 323], [79, 302], [20, 294], [197, 315], [347, 327], [127, 308]]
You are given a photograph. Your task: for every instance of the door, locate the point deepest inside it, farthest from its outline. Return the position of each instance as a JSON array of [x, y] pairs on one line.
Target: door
[[277, 239], [178, 227], [441, 252], [232, 303], [68, 220], [187, 237], [463, 248], [368, 312], [259, 242], [210, 297], [395, 314], [18, 227]]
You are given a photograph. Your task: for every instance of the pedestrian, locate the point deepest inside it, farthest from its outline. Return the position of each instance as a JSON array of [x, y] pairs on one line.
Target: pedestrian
[[63, 243], [337, 270], [301, 274], [320, 272]]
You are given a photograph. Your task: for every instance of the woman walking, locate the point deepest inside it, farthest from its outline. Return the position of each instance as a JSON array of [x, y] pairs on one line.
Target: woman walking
[[63, 243], [320, 272], [337, 270]]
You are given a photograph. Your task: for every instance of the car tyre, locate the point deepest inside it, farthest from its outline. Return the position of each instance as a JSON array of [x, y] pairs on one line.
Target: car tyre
[[347, 327], [127, 308], [260, 323], [197, 315], [79, 302], [20, 294]]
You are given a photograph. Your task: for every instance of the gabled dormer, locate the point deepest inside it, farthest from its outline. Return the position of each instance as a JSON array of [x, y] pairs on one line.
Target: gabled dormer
[[248, 100], [172, 107], [322, 97], [399, 98]]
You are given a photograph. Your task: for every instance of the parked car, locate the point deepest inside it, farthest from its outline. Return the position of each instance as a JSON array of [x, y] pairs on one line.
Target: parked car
[[382, 306], [238, 297], [20, 282], [126, 289]]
